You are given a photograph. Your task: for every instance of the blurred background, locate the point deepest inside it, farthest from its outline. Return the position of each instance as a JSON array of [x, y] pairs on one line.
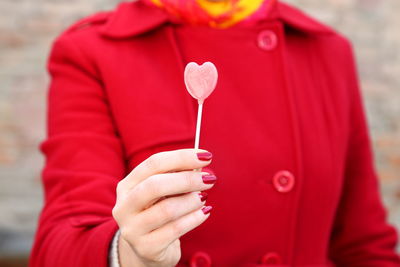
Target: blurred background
[[28, 27]]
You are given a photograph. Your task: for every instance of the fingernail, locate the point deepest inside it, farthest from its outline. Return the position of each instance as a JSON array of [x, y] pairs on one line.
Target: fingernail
[[206, 209], [203, 196], [209, 178], [204, 156]]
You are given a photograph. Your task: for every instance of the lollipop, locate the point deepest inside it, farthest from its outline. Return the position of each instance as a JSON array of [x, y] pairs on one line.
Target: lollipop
[[200, 82]]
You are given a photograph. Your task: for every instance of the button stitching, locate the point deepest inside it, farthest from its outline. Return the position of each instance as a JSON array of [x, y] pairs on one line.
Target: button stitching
[[283, 181], [267, 40], [198, 256]]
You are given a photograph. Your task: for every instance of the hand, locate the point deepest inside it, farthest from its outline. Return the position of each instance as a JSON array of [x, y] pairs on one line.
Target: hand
[[157, 203]]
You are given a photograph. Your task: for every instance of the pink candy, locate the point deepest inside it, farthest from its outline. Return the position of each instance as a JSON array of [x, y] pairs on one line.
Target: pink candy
[[200, 80]]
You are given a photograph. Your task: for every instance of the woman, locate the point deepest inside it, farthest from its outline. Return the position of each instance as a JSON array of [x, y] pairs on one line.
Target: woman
[[285, 133]]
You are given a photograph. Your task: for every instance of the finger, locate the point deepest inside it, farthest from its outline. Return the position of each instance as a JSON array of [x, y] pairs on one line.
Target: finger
[[171, 231], [168, 161], [168, 210], [166, 184]]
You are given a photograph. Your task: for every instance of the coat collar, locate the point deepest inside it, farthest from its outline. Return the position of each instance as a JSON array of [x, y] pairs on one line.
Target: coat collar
[[135, 18]]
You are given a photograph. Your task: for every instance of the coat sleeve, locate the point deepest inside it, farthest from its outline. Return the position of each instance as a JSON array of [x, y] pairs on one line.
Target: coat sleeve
[[84, 162], [361, 235]]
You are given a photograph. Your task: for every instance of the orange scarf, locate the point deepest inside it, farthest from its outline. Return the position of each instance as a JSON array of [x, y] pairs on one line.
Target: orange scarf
[[217, 14]]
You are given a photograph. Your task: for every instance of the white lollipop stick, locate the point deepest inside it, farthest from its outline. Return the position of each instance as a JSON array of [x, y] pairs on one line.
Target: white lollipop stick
[[198, 126]]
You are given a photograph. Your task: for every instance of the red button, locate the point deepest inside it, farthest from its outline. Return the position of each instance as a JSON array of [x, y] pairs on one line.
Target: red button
[[267, 40], [200, 259], [283, 181], [271, 258]]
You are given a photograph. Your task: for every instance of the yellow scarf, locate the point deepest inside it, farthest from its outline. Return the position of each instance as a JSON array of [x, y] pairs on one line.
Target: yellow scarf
[[218, 14]]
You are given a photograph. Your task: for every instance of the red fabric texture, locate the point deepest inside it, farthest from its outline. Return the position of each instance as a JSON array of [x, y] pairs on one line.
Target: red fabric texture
[[117, 96]]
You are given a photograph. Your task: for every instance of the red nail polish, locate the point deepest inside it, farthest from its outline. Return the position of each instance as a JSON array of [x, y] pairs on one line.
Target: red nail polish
[[209, 178], [206, 209], [203, 196], [204, 156]]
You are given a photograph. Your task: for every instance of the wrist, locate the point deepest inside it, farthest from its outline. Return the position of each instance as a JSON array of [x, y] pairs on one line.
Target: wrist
[[127, 257]]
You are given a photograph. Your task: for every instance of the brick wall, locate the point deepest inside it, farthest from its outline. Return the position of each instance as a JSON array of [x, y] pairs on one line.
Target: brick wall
[[27, 28]]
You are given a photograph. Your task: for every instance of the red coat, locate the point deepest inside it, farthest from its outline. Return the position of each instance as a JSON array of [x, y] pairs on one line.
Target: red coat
[[286, 125]]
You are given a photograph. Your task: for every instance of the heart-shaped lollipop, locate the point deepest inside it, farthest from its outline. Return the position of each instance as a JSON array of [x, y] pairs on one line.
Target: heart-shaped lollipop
[[200, 80]]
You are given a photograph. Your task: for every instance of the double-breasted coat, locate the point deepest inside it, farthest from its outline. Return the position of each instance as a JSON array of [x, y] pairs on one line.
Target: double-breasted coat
[[286, 125]]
